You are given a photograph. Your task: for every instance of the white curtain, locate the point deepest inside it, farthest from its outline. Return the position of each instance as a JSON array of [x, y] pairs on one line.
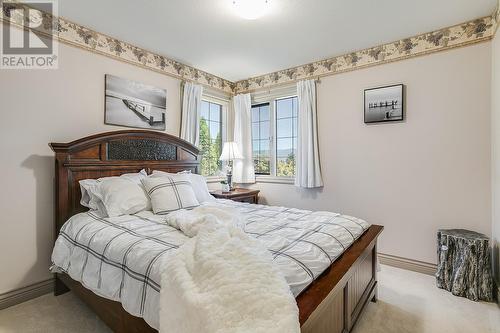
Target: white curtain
[[191, 108], [243, 169], [307, 171]]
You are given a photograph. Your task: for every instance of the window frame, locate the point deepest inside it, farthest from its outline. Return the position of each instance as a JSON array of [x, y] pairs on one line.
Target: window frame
[[275, 140], [259, 98], [270, 138], [224, 103]]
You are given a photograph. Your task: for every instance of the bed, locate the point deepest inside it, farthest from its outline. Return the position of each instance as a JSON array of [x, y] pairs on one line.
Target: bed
[[329, 300]]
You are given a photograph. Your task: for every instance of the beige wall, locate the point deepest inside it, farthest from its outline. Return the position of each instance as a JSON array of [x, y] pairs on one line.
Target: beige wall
[[414, 177], [431, 171], [39, 107], [495, 151]]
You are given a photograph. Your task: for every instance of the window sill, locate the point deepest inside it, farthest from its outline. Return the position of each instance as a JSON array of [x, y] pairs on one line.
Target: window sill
[[258, 179], [275, 180], [215, 179]]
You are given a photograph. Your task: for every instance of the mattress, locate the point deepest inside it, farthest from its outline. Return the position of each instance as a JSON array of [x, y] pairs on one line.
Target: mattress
[[121, 258]]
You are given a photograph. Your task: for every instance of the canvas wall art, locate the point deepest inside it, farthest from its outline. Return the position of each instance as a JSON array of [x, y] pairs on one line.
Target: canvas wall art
[[384, 104], [134, 104]]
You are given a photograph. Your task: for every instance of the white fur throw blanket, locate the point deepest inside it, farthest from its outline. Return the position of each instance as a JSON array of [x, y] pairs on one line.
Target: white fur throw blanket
[[222, 280]]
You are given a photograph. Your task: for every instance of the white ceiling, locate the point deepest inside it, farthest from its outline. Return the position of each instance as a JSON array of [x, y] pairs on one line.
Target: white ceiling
[[208, 35]]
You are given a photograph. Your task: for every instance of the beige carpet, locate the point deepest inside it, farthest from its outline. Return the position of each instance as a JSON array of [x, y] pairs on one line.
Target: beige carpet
[[408, 302]]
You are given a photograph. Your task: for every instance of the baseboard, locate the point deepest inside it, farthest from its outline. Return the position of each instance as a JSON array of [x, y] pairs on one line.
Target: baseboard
[[408, 264], [41, 288], [26, 293]]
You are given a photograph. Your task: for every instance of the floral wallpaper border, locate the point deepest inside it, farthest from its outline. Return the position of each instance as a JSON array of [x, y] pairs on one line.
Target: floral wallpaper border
[[74, 34], [475, 31], [67, 32]]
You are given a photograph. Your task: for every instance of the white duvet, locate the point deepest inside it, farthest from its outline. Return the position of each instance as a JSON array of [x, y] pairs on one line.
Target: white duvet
[[123, 258], [223, 280]]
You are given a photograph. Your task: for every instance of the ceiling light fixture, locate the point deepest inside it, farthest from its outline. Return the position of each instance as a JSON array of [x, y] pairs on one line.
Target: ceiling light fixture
[[251, 9]]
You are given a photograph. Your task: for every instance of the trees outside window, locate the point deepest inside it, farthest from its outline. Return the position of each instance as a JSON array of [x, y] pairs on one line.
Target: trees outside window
[[286, 136], [210, 138], [261, 139], [274, 137]]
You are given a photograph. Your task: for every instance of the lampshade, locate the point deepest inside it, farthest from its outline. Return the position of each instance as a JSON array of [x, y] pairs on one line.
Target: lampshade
[[230, 152]]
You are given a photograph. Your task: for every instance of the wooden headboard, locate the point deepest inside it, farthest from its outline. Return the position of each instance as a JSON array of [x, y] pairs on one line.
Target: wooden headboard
[[113, 154]]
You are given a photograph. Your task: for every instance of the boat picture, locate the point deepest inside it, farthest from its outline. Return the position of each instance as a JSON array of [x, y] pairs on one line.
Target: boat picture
[[133, 104]]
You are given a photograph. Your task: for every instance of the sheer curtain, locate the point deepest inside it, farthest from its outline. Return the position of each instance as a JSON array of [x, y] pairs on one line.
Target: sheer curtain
[[243, 169], [191, 106], [307, 170]]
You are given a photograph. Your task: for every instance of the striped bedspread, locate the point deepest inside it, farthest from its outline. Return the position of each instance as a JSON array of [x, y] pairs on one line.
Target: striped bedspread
[[121, 258]]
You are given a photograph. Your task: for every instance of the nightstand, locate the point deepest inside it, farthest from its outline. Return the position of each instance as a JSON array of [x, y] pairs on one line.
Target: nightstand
[[238, 194]]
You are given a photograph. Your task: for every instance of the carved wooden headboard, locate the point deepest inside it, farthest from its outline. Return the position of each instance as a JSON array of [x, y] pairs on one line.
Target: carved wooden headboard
[[113, 154]]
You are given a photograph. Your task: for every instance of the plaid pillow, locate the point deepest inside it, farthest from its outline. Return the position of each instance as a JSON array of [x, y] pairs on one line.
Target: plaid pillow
[[170, 193]]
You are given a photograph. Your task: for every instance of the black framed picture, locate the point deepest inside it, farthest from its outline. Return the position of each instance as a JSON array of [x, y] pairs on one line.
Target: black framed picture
[[134, 104], [384, 104]]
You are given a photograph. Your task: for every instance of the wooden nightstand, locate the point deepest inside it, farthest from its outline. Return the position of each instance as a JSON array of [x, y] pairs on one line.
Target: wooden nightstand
[[238, 194]]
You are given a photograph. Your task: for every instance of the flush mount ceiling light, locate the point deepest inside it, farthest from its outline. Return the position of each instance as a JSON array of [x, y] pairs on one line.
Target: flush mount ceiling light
[[251, 9]]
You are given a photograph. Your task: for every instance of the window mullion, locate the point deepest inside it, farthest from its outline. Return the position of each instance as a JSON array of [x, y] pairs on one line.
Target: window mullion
[[224, 130], [272, 136]]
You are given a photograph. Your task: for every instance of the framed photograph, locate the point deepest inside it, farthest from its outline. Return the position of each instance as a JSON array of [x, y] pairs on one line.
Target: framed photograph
[[134, 104], [384, 104]]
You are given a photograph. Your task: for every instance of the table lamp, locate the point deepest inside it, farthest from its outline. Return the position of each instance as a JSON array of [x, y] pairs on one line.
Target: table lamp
[[230, 152]]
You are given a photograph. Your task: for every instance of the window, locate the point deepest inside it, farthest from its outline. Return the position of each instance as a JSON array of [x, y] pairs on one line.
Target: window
[[210, 137], [286, 136], [261, 139], [274, 136]]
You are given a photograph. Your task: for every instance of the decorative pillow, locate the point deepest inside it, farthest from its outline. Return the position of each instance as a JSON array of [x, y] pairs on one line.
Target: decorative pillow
[[121, 196], [91, 193], [158, 174], [198, 182], [170, 193]]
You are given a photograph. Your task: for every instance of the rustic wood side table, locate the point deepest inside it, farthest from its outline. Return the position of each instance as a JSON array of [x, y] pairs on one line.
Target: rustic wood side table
[[238, 194], [464, 264]]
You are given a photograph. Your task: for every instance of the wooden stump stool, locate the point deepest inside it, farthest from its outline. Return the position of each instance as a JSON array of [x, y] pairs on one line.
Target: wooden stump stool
[[464, 264]]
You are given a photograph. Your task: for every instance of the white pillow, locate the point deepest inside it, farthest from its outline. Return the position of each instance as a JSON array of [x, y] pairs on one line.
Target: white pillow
[[90, 188], [200, 188], [198, 182], [122, 196], [87, 187], [170, 193]]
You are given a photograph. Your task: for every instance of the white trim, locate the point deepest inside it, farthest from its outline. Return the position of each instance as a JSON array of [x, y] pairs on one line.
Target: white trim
[[215, 179], [264, 96], [272, 137], [27, 293], [214, 99], [274, 179], [408, 264], [216, 94]]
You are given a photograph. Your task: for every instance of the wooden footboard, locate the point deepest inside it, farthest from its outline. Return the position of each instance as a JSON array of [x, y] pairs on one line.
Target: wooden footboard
[[334, 302]]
